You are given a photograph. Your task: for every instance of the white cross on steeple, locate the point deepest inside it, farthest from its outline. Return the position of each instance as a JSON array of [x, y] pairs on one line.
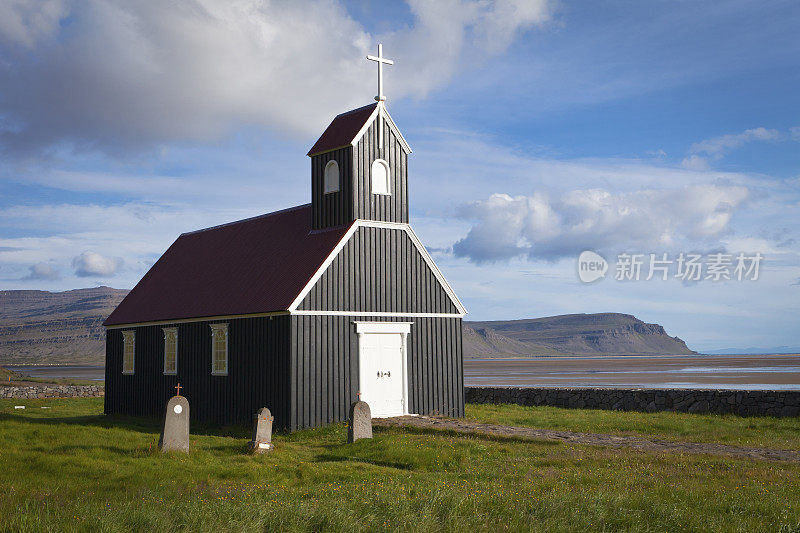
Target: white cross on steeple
[[380, 60]]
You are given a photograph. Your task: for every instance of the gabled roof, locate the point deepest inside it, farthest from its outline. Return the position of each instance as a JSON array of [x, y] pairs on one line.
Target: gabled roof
[[347, 128], [257, 265], [343, 129]]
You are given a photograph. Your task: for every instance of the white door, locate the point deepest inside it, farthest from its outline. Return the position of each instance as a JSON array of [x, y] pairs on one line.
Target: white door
[[382, 372]]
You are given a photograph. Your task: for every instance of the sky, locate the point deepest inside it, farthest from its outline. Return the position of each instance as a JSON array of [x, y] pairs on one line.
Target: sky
[[539, 129]]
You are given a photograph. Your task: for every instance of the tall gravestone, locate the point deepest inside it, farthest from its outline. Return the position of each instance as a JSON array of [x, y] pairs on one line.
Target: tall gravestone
[[262, 432], [175, 435], [360, 422]]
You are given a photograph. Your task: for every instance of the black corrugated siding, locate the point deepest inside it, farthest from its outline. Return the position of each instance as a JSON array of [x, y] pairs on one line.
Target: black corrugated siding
[[387, 208], [258, 372], [355, 198], [325, 367], [332, 209], [379, 269]]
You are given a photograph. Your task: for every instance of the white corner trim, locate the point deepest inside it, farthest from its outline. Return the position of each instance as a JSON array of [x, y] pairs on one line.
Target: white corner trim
[[380, 109], [387, 225], [383, 327]]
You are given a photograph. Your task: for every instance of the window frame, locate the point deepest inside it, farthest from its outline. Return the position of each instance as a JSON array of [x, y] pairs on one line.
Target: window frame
[[173, 332], [387, 168], [129, 335], [216, 329], [326, 189]]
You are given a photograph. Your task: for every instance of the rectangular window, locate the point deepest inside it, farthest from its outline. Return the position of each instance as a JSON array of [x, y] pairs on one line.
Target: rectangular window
[[170, 351], [219, 349], [128, 351]]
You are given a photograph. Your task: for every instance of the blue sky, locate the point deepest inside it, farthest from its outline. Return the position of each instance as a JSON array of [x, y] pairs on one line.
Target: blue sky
[[539, 129]]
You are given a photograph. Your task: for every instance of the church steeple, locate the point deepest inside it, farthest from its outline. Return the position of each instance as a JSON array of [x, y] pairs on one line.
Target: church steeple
[[359, 166]]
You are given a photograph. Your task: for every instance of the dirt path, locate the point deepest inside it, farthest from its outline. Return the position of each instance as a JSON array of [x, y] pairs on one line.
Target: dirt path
[[596, 439]]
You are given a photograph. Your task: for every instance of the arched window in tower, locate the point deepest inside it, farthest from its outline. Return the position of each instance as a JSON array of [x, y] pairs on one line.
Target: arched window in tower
[[381, 177], [331, 176]]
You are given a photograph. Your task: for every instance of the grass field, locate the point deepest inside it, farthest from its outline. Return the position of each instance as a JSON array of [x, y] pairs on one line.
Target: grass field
[[70, 468], [767, 432]]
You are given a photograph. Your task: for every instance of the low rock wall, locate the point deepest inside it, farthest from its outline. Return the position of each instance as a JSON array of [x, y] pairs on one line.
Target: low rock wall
[[740, 402], [52, 391]]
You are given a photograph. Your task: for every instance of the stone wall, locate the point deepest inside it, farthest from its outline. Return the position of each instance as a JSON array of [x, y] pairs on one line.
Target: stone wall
[[740, 402], [52, 391]]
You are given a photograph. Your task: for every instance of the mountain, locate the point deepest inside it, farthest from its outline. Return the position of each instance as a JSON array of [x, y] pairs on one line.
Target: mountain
[[583, 334], [66, 327], [756, 351], [55, 327]]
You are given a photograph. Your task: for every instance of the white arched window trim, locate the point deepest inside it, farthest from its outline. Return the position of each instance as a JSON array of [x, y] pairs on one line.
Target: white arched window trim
[[331, 177], [219, 349], [381, 177], [170, 351], [128, 351]]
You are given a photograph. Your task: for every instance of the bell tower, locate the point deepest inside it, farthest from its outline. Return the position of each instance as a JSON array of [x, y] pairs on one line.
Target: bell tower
[[359, 166]]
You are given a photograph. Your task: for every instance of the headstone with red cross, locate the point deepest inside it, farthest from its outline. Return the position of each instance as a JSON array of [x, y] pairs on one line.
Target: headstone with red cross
[[262, 432], [175, 434]]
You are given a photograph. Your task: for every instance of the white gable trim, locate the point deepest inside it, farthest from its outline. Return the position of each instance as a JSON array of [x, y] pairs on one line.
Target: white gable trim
[[385, 115], [380, 109], [387, 225], [438, 273], [366, 125], [323, 267], [376, 314]]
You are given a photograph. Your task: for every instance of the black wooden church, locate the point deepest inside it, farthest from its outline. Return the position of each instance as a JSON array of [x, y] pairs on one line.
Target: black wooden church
[[304, 310]]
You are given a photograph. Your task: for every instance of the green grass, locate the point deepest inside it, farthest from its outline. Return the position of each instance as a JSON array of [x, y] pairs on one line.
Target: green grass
[[70, 468], [768, 432]]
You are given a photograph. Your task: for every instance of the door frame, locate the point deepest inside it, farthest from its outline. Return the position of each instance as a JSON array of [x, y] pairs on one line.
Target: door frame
[[403, 328]]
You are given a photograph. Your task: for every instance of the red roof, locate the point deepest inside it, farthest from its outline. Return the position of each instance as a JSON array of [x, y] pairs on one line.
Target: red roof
[[258, 265], [343, 129]]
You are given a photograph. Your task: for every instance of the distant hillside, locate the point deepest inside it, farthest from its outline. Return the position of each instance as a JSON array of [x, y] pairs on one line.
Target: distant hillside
[[754, 350], [66, 327], [592, 334], [55, 327]]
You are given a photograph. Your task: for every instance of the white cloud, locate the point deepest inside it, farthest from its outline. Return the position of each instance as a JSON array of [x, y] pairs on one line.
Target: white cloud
[[93, 264], [545, 228], [43, 272], [795, 133], [24, 23], [141, 73], [710, 150]]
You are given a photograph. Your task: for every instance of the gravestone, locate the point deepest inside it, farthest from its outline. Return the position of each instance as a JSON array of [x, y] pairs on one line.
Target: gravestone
[[262, 432], [175, 435], [360, 422]]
